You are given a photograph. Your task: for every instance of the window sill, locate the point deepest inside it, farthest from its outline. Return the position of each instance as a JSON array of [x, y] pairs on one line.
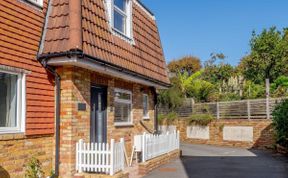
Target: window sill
[[146, 118], [33, 4], [12, 136], [122, 36], [125, 124]]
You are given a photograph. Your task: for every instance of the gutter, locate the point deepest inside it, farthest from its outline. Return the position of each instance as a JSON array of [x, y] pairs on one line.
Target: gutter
[[80, 54], [57, 112]]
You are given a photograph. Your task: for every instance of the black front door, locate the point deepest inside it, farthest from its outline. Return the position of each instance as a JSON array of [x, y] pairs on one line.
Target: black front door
[[98, 131]]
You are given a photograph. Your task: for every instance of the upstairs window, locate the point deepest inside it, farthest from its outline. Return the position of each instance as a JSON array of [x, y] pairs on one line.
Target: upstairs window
[[120, 15]]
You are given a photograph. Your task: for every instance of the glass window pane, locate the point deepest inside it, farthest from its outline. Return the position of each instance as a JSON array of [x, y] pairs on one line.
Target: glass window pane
[[8, 100], [122, 112], [145, 105], [119, 21], [121, 4], [123, 96]]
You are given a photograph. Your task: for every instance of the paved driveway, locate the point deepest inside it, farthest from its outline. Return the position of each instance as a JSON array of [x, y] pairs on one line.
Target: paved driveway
[[202, 161]]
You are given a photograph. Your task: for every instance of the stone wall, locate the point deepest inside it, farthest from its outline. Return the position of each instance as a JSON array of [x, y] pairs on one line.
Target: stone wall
[[75, 88], [256, 133], [17, 149]]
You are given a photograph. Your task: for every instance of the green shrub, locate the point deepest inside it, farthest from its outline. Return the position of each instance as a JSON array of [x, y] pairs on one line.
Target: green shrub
[[33, 169], [167, 118], [201, 119], [280, 122], [172, 116]]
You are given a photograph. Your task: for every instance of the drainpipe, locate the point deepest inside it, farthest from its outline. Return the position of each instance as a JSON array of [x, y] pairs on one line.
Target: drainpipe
[[155, 110], [57, 112]]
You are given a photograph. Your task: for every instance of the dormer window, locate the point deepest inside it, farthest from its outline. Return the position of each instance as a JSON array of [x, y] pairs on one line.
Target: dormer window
[[120, 17]]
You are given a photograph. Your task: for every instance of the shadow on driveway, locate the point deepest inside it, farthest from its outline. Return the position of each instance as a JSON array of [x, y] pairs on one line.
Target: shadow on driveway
[[203, 161]]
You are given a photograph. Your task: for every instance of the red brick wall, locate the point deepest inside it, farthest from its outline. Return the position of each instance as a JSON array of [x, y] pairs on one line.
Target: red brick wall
[[20, 33]]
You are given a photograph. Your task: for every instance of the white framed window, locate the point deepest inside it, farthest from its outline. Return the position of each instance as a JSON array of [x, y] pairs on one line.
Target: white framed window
[[145, 106], [120, 17], [12, 102], [123, 107], [38, 3]]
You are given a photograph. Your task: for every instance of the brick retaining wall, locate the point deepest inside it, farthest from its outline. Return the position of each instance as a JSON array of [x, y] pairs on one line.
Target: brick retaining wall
[[263, 134]]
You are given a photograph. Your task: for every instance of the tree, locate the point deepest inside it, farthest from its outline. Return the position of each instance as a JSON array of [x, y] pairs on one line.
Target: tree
[[269, 56], [280, 87], [186, 81], [190, 64], [193, 86], [216, 70]]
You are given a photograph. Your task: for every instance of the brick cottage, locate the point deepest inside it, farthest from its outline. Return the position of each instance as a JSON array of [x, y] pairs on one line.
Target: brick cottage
[[70, 70]]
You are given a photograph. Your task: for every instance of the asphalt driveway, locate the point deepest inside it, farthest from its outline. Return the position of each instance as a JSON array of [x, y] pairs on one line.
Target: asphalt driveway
[[203, 161]]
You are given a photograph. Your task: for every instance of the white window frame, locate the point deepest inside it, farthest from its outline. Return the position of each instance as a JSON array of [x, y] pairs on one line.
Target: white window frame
[[128, 35], [130, 120], [21, 104], [38, 3], [146, 116]]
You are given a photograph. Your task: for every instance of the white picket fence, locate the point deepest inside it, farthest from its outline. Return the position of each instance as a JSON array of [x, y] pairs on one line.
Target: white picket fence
[[156, 145], [100, 157]]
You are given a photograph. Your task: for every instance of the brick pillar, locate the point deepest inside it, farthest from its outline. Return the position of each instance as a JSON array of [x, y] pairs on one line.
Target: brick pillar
[[74, 124]]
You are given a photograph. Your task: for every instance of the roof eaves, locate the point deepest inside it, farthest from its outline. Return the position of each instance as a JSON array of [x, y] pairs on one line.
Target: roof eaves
[[79, 53]]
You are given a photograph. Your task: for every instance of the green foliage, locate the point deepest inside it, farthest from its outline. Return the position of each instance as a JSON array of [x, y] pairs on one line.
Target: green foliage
[[216, 71], [33, 169], [167, 118], [280, 87], [253, 91], [280, 122], [186, 81], [202, 91], [229, 96], [173, 98], [195, 87], [201, 119], [189, 64], [269, 56]]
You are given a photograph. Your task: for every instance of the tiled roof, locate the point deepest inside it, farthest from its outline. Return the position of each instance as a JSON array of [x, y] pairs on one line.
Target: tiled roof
[[145, 56]]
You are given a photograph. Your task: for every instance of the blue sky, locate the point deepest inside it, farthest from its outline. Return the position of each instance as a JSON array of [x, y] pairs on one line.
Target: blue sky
[[200, 27]]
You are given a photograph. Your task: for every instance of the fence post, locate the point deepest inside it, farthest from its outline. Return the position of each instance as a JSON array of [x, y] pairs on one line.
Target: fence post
[[124, 153], [178, 139], [77, 154], [112, 157], [143, 147], [267, 98], [217, 110], [80, 155], [248, 109], [191, 103]]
